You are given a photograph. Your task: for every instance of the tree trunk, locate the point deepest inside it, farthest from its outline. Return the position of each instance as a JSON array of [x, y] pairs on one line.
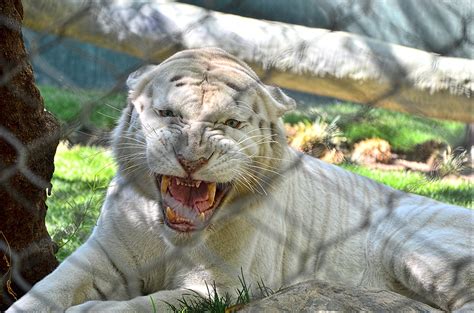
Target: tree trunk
[[28, 141], [469, 138]]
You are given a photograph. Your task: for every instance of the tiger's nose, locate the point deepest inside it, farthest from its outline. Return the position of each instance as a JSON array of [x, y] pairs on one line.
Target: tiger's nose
[[191, 166]]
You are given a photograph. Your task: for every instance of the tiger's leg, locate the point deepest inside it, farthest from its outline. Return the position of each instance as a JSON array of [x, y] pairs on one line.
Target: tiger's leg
[[427, 252], [88, 274], [160, 301]]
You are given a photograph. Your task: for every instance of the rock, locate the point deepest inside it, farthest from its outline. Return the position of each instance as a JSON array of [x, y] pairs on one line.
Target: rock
[[370, 151], [316, 295], [428, 151], [29, 136]]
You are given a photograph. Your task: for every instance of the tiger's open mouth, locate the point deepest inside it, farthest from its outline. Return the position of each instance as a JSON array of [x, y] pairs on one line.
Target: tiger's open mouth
[[188, 204]]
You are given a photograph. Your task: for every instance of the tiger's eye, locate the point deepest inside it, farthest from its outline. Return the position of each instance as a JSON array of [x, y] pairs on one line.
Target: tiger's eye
[[233, 123], [166, 113]]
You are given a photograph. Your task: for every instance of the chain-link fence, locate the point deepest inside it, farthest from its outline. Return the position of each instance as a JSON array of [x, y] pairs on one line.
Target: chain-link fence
[[88, 114]]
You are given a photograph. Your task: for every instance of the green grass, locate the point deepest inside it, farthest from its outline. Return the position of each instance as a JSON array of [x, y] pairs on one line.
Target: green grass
[[194, 303], [403, 131], [79, 182], [96, 107], [459, 192], [215, 303]]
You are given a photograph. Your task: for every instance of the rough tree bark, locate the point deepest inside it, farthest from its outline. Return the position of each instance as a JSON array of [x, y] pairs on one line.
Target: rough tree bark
[[28, 141]]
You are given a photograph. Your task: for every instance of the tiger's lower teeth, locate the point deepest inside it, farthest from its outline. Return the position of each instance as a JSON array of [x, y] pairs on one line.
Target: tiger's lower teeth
[[170, 215], [175, 218]]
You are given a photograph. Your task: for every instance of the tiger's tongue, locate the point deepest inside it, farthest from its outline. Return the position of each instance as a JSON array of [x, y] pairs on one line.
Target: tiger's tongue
[[191, 196]]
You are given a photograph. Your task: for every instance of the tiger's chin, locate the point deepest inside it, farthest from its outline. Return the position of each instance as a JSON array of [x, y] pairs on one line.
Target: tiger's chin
[[188, 205]]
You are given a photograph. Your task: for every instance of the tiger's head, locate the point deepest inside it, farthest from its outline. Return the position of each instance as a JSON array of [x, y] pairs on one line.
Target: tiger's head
[[200, 132]]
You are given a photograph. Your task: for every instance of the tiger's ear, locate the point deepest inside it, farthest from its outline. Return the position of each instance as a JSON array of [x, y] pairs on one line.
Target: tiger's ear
[[135, 77], [280, 100]]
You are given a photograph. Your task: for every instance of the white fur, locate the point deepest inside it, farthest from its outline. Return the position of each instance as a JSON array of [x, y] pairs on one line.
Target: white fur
[[307, 219]]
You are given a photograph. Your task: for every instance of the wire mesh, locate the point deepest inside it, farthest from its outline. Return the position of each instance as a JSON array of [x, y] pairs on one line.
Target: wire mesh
[[82, 128]]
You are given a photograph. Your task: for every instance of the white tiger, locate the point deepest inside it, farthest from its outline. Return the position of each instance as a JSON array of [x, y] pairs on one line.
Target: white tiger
[[207, 187]]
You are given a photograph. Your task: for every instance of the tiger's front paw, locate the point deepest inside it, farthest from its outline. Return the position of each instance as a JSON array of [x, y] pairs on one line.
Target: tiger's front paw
[[30, 303]]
